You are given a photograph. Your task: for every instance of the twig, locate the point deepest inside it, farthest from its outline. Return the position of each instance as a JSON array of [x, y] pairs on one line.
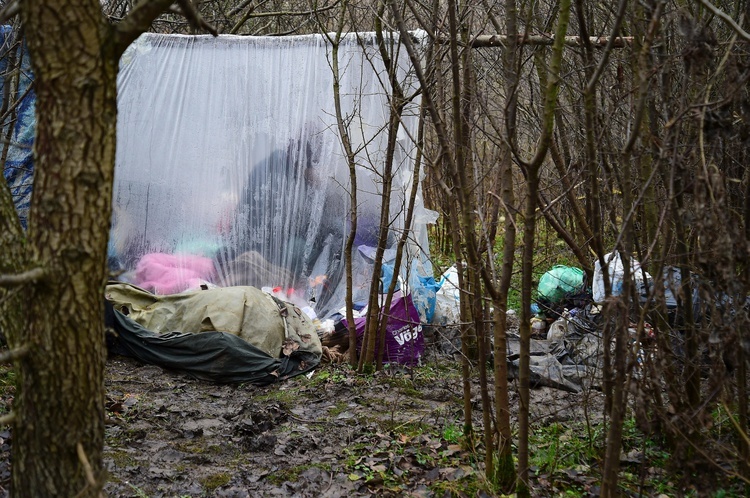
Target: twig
[[29, 276], [330, 481], [511, 213], [133, 381], [138, 20], [293, 13], [242, 20], [236, 10], [86, 465], [411, 421], [190, 13], [304, 420], [711, 461], [742, 433], [570, 41], [14, 354], [114, 421], [8, 418], [732, 24], [10, 10], [18, 101]]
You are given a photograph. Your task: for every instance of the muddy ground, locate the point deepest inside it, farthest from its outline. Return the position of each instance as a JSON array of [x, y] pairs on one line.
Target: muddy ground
[[397, 432], [334, 433]]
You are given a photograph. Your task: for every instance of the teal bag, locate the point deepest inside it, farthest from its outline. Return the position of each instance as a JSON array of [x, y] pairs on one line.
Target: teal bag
[[559, 282]]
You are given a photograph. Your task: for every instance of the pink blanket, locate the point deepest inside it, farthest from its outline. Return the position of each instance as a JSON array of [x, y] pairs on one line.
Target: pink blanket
[[170, 274]]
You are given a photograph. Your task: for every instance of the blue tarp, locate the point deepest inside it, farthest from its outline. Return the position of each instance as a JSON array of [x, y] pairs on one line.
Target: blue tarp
[[19, 125]]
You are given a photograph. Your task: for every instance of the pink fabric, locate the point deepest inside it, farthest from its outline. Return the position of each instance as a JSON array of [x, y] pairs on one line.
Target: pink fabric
[[169, 274]]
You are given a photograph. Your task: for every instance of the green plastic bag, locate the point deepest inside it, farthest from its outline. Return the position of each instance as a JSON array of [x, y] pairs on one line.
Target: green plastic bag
[[559, 282]]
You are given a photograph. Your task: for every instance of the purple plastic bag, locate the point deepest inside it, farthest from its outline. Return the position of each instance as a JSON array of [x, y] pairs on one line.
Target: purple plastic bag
[[404, 341]]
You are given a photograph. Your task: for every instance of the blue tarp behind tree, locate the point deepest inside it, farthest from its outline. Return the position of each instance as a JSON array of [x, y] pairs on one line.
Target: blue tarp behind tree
[[19, 103]]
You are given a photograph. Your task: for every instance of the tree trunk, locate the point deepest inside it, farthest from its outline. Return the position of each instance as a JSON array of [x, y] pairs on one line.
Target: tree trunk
[[529, 226], [551, 79], [59, 431], [505, 474], [346, 143]]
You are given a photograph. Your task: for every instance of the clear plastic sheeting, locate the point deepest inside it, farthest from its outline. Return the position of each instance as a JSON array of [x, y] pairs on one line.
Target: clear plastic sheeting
[[230, 169]]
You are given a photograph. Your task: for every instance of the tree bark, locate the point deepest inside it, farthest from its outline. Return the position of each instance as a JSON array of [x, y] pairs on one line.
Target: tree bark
[[505, 475], [59, 432]]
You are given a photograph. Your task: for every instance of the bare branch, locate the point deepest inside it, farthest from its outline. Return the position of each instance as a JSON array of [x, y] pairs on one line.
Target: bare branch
[[293, 12], [9, 10], [27, 277], [569, 41], [551, 92], [737, 427], [138, 21], [194, 17], [17, 103], [140, 18], [8, 418], [14, 354], [510, 211], [242, 20], [727, 19], [239, 7], [608, 49], [86, 465]]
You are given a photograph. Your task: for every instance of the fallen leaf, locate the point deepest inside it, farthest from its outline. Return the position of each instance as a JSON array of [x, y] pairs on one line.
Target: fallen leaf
[[289, 347]]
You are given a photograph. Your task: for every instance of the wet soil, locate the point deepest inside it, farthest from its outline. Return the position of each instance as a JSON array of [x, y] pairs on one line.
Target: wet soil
[[332, 434]]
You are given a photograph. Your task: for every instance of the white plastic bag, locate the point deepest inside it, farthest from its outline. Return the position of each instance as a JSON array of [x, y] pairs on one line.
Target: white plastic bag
[[448, 299], [616, 274]]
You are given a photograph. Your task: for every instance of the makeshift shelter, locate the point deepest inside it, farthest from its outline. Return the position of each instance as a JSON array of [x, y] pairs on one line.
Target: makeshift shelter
[[230, 173], [230, 170]]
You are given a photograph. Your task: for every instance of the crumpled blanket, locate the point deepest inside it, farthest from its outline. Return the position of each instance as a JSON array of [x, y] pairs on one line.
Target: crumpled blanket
[[173, 273]]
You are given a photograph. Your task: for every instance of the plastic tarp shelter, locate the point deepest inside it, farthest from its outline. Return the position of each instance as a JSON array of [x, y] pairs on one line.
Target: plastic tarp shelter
[[230, 169]]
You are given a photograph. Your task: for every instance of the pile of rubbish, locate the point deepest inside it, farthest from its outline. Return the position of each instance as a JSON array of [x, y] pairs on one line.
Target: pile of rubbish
[[235, 334], [567, 326], [567, 345]]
